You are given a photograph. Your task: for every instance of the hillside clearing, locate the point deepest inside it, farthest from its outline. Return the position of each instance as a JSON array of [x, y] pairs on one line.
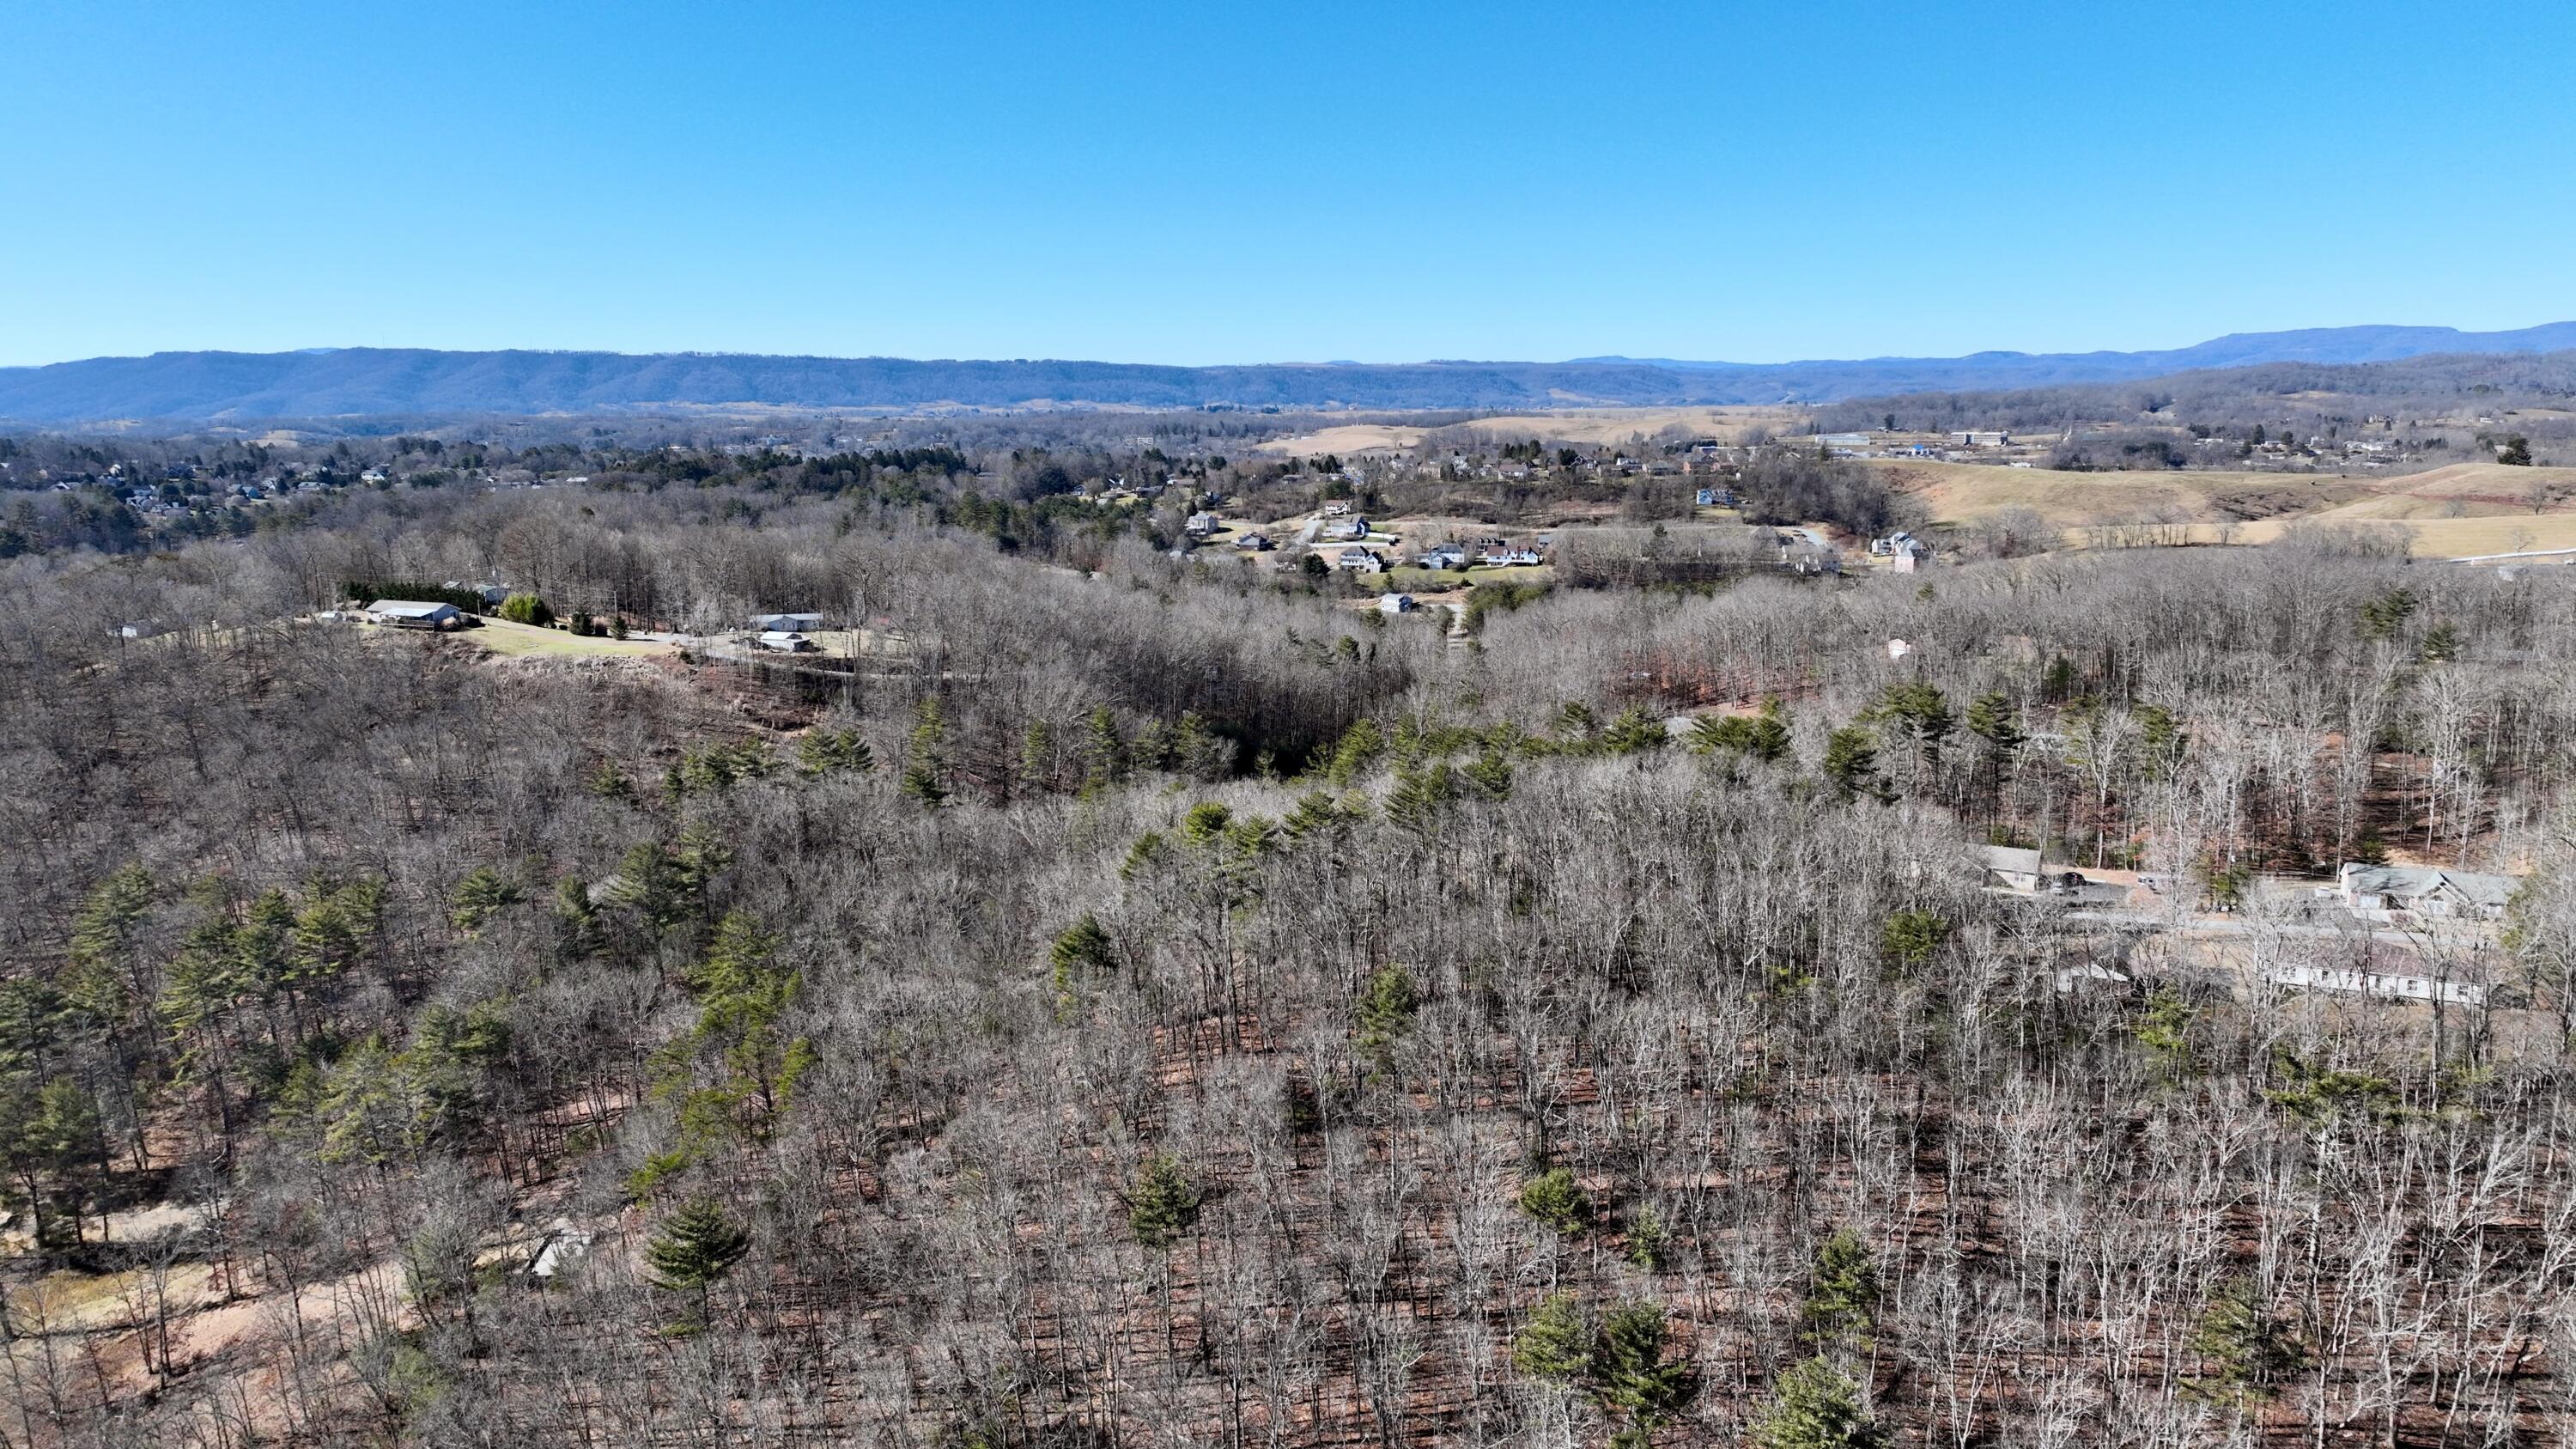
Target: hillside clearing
[[500, 636]]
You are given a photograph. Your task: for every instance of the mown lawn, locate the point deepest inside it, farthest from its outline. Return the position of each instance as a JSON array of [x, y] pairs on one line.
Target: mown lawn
[[1432, 581], [503, 637]]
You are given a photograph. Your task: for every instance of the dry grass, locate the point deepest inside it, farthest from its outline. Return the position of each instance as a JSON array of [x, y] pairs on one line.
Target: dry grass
[[503, 637], [2465, 508], [2456, 537], [68, 1301], [1966, 492], [1426, 581], [1595, 426]]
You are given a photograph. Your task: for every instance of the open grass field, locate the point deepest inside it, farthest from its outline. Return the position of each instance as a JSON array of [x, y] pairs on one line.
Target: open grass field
[[1965, 492], [2469, 490], [503, 637], [2456, 498], [1597, 426], [2453, 537]]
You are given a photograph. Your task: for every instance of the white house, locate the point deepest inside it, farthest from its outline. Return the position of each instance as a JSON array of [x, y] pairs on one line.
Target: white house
[[785, 623], [1395, 604], [2392, 985], [1359, 560]]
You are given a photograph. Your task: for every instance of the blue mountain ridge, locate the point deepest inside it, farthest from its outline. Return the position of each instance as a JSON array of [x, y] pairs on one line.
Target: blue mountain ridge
[[372, 381]]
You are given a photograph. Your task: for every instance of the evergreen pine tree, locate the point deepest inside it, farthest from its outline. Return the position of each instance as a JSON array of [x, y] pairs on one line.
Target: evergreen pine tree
[[2058, 685], [334, 928], [1910, 937], [1200, 752], [1815, 1406], [1842, 1293], [1385, 1010], [1634, 732], [1990, 718], [2250, 1347], [1104, 754], [925, 771], [1360, 746], [1082, 951], [576, 921], [1414, 805], [696, 1249], [1556, 1199], [1647, 1239], [108, 918], [1763, 736], [832, 752], [651, 882], [1490, 774], [1319, 814], [1629, 1371], [1851, 762], [483, 894], [1556, 1343], [1163, 1204], [1037, 756]]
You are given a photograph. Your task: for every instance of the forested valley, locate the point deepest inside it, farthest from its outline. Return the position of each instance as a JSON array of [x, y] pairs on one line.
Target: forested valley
[[1148, 1002]]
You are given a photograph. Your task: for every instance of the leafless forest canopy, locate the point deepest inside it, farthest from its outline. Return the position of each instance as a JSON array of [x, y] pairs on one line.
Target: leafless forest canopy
[[1139, 1001]]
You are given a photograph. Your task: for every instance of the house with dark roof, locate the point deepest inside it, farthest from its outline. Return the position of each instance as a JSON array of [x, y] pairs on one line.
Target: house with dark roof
[[2381, 892]]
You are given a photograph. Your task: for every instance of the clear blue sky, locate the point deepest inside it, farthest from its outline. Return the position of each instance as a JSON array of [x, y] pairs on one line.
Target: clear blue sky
[[1224, 183]]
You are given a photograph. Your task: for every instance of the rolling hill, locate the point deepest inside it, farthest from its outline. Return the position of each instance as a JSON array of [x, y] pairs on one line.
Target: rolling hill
[[366, 381]]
